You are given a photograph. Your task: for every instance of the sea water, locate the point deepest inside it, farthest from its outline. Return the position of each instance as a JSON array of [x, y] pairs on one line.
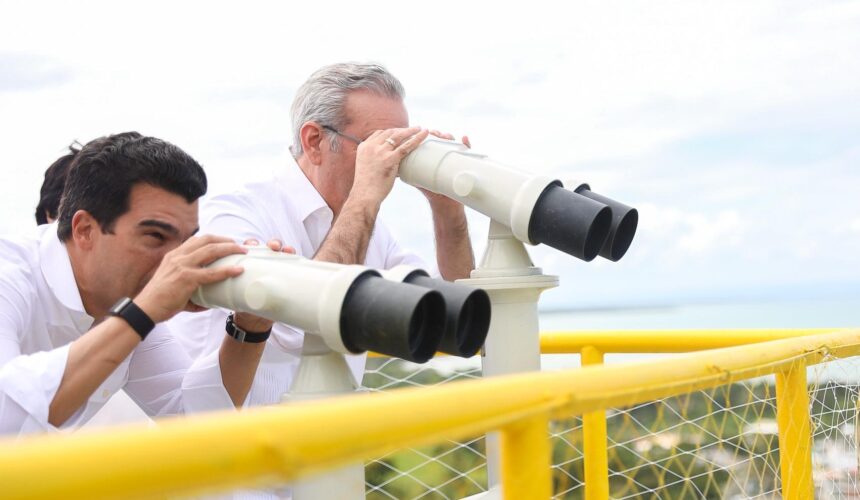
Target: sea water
[[832, 313]]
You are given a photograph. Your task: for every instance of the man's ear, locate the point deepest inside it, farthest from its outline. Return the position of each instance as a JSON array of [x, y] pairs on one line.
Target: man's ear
[[312, 137], [84, 229]]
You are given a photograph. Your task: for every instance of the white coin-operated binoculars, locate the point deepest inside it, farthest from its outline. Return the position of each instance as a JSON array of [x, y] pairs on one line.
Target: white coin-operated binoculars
[[353, 309], [523, 208], [350, 309], [535, 208]]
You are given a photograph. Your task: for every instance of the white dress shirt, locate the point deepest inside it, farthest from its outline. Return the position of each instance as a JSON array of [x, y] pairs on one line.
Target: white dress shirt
[[286, 207], [41, 313]]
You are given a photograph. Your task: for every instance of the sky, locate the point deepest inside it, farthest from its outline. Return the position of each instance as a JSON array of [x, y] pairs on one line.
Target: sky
[[733, 127]]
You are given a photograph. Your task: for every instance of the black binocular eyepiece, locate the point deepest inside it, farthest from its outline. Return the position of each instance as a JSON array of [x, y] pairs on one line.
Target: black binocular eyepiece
[[467, 315], [396, 319], [582, 223], [625, 219], [415, 318]]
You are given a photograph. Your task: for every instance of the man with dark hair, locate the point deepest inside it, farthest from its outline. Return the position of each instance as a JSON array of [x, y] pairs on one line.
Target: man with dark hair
[[82, 304], [52, 187]]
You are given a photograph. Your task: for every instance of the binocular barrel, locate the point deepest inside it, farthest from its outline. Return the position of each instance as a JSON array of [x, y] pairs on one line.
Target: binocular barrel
[[351, 307], [570, 222], [625, 219], [467, 311], [395, 319], [536, 208]]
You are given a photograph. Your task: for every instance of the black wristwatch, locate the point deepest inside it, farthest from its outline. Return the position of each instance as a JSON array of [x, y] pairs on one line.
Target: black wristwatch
[[241, 335], [133, 315]]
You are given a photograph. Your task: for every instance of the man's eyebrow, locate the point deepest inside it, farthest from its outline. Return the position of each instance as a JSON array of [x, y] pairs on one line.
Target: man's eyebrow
[[159, 224]]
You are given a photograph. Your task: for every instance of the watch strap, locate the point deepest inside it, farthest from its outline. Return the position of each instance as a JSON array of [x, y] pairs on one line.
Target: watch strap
[[139, 321], [237, 333]]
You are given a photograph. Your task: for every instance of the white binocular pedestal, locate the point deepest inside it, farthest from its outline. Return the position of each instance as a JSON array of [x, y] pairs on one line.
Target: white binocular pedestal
[[350, 309], [339, 307], [514, 284], [523, 208], [324, 373]]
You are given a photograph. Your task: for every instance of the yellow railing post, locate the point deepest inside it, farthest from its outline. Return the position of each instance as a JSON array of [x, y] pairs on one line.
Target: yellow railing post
[[526, 460], [795, 440], [594, 441]]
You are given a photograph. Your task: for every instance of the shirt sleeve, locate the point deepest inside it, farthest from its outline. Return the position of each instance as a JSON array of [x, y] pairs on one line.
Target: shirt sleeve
[[199, 332], [28, 383], [203, 388], [162, 380], [396, 255], [233, 216], [275, 372]]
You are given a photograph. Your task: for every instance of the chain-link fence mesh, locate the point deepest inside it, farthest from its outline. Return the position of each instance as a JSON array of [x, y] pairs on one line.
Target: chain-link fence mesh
[[715, 443], [445, 470]]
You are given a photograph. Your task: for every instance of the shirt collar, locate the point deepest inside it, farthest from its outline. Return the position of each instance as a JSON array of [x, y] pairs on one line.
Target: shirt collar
[[57, 269], [298, 189]]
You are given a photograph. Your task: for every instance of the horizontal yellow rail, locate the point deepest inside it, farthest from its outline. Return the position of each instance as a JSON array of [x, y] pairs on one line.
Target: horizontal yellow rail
[[265, 445], [659, 341], [663, 341]]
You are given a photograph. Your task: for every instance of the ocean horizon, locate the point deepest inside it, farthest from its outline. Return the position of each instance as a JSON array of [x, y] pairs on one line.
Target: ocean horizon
[[766, 313], [836, 313]]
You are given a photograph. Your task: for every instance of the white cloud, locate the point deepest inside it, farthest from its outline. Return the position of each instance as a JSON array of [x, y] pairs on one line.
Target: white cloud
[[688, 232], [703, 233], [600, 93]]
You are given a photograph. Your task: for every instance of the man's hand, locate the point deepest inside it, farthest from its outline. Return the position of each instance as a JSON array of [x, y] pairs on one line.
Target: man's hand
[[182, 271], [376, 164], [438, 202], [378, 159], [251, 322], [453, 248]]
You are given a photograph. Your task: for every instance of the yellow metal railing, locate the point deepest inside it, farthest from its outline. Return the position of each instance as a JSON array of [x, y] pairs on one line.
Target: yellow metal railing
[[663, 341], [269, 445], [792, 404]]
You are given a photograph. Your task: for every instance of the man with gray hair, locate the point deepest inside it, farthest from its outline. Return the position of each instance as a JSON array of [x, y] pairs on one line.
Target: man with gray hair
[[350, 132]]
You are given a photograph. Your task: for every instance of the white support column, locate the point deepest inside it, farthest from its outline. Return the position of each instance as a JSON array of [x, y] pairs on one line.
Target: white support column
[[513, 344], [323, 373]]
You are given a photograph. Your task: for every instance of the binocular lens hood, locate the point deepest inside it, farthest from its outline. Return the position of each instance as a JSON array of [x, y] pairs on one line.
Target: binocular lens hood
[[396, 319], [570, 222], [467, 315], [625, 219]]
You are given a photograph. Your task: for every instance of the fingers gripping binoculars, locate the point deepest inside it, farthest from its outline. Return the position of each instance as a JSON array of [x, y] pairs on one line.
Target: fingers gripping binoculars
[[353, 308], [537, 208]]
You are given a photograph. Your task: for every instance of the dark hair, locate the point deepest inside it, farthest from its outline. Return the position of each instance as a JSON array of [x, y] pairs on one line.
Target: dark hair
[[52, 186], [103, 173]]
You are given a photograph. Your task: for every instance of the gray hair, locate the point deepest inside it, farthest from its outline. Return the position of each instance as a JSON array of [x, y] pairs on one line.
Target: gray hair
[[323, 96]]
